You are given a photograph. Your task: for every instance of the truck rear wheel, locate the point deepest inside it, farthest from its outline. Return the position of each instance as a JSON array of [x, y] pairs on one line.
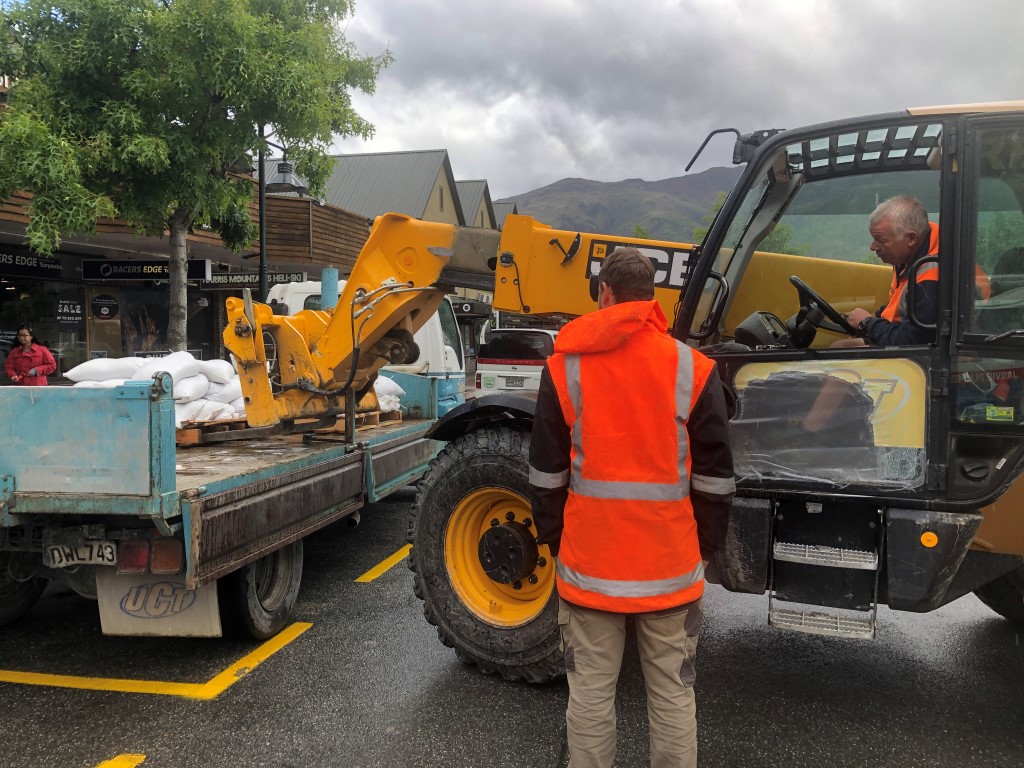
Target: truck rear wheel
[[257, 599], [1005, 596], [16, 596], [484, 582]]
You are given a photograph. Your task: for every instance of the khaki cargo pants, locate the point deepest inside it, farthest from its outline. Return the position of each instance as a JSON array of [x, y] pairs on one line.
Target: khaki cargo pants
[[593, 642]]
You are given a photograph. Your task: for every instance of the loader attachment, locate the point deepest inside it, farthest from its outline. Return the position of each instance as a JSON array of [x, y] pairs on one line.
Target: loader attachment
[[302, 366]]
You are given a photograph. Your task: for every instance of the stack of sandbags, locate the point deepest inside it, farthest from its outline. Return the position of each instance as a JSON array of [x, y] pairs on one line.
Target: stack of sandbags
[[389, 394], [204, 390], [104, 372]]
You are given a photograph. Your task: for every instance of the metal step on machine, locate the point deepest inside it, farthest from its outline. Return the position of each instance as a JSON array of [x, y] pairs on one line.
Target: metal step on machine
[[824, 568]]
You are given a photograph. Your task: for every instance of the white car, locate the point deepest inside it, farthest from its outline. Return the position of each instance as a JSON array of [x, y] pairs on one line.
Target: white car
[[512, 359]]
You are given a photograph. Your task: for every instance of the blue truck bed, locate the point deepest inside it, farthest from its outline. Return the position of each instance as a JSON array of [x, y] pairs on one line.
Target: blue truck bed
[[75, 456]]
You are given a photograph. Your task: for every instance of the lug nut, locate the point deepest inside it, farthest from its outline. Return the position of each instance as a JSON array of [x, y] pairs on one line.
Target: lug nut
[[533, 578], [494, 523], [517, 585], [510, 516], [527, 522], [542, 561]]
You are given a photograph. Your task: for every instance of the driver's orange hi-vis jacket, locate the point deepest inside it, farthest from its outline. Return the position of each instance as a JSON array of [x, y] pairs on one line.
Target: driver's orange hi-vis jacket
[[981, 280], [896, 309], [626, 390]]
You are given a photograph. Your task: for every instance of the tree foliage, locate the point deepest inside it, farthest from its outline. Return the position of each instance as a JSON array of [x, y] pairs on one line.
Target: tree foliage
[[777, 241], [700, 232], [144, 108]]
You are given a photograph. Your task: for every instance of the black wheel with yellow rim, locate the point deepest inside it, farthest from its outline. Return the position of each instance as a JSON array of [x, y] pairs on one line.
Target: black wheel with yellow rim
[[486, 584]]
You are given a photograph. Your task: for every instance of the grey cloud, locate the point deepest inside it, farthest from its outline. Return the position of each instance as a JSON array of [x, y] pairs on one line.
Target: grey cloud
[[617, 90]]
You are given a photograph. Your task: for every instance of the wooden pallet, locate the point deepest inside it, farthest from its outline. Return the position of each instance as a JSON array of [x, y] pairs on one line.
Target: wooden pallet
[[223, 430], [363, 421], [198, 432]]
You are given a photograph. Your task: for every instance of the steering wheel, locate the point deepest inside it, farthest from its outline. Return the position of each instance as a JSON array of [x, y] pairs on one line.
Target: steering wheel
[[810, 298]]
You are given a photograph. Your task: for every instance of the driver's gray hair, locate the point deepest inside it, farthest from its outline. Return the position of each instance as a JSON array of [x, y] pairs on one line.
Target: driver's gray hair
[[905, 213]]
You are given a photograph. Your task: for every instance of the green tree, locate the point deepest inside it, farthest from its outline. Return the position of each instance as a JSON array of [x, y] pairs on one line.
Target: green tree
[[144, 109], [778, 241], [640, 233], [701, 231]]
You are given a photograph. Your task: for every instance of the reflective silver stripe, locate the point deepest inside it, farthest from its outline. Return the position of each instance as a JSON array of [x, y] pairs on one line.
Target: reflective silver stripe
[[619, 588], [901, 305], [611, 489], [684, 394], [549, 479], [572, 385], [719, 485]]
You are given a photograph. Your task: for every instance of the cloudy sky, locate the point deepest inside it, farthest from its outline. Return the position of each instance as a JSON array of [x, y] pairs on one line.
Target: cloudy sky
[[528, 92]]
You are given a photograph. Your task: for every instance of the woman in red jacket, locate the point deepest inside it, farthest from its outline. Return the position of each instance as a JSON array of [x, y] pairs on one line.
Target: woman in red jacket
[[29, 363]]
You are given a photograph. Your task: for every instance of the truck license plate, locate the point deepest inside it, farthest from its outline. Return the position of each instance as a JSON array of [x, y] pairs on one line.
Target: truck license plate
[[88, 553], [513, 381]]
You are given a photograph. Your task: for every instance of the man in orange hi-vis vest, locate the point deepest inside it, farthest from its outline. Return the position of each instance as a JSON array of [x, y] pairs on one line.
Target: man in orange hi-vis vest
[[900, 233], [631, 479]]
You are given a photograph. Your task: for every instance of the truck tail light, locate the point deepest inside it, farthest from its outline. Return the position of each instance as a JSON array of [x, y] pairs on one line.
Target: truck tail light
[[133, 556], [478, 381], [168, 556]]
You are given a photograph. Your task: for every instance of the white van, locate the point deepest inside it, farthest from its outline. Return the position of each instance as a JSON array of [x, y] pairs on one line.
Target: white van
[[513, 358]]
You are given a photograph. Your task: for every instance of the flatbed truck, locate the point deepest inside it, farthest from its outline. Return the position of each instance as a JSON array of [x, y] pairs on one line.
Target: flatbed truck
[[202, 540]]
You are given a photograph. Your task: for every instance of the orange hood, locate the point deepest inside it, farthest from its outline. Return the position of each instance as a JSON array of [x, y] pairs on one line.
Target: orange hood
[[611, 327]]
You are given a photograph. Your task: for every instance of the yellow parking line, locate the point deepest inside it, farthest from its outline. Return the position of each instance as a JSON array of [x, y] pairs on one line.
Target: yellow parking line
[[386, 565], [244, 666], [123, 761], [209, 690]]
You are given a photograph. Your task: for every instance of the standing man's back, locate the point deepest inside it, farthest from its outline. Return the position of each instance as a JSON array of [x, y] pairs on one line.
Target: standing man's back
[[632, 478]]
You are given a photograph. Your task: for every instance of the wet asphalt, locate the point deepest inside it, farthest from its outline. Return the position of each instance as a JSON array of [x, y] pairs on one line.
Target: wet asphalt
[[370, 685]]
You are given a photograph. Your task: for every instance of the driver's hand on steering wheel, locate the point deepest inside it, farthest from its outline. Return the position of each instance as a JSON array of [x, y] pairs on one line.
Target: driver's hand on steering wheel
[[855, 316]]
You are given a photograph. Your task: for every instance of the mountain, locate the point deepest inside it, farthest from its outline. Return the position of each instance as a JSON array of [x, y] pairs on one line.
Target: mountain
[[669, 209]]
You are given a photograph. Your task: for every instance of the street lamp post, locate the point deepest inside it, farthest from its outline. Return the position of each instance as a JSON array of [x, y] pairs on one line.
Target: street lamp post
[[284, 181]]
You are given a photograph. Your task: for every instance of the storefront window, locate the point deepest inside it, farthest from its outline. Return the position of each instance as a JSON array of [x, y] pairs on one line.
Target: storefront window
[[52, 309]]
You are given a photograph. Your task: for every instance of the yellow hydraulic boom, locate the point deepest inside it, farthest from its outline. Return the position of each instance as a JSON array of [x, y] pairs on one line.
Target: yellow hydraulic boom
[[405, 268], [317, 356]]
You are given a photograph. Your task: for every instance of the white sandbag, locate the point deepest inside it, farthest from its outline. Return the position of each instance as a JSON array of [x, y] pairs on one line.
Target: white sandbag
[[385, 386], [180, 365], [186, 411], [225, 393], [108, 384], [388, 403], [211, 411], [217, 371], [239, 406], [191, 388], [104, 368]]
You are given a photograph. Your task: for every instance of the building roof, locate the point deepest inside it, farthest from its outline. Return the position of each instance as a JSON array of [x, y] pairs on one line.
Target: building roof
[[503, 209], [375, 183], [471, 193]]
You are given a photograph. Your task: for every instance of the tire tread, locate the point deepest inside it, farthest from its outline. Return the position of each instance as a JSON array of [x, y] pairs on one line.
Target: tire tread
[[508, 653]]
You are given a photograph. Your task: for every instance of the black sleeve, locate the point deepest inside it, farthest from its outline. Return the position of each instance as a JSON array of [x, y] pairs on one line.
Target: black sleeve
[[882, 333], [550, 444], [712, 482]]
